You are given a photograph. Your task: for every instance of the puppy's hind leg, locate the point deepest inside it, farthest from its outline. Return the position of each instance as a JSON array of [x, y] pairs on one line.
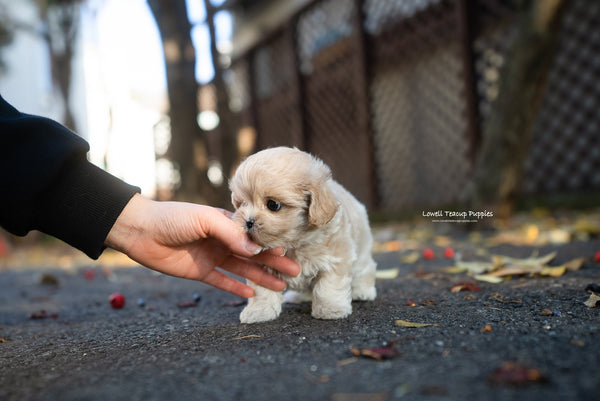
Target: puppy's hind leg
[[265, 305], [363, 279]]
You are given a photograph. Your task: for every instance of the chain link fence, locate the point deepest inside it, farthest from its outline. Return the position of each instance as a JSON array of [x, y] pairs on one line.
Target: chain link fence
[[393, 94]]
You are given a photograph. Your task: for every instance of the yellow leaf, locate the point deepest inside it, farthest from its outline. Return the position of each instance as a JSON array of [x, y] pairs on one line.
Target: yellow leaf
[[404, 323], [553, 271], [411, 258], [389, 246], [392, 246], [531, 233], [489, 279], [453, 269], [387, 274], [442, 241]]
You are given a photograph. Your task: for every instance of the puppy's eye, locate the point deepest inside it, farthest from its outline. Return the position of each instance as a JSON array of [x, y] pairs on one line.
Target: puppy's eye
[[273, 205]]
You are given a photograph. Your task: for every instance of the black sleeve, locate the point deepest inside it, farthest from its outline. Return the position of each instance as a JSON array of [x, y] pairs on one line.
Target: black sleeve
[[47, 183]]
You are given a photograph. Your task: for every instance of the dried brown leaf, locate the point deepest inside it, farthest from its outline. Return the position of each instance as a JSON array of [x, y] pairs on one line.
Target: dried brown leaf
[[592, 301]]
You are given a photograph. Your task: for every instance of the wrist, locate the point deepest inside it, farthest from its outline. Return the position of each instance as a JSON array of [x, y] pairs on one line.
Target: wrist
[[128, 225]]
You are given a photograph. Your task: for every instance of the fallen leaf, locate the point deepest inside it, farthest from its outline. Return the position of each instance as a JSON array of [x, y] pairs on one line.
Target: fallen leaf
[[487, 328], [532, 261], [553, 271], [500, 298], [464, 287], [574, 264], [515, 271], [475, 267], [578, 342], [503, 267], [43, 315], [49, 279], [453, 269], [512, 374], [425, 275], [592, 301], [345, 362], [404, 323], [489, 279], [442, 241], [387, 274], [411, 257], [388, 246], [388, 351]]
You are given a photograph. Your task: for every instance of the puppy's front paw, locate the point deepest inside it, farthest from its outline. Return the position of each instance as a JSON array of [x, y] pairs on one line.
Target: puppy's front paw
[[260, 312], [364, 293]]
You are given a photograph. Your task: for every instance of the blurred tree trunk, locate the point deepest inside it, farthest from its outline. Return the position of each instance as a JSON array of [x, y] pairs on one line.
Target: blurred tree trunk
[[227, 128], [61, 19], [188, 144], [508, 132]]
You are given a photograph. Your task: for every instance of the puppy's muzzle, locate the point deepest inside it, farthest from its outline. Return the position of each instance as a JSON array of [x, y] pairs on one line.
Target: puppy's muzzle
[[249, 224]]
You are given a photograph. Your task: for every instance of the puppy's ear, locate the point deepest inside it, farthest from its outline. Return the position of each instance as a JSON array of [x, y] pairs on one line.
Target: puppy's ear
[[323, 202]]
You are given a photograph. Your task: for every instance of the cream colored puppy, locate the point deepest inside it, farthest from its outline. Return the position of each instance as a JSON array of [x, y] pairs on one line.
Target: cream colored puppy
[[286, 198]]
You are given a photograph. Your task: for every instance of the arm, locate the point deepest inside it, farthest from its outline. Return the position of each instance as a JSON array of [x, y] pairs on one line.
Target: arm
[[47, 183]]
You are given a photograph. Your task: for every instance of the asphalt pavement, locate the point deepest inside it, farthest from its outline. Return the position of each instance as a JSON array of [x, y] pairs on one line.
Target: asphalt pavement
[[526, 338]]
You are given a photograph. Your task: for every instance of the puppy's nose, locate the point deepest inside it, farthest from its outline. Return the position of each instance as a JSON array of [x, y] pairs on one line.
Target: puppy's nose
[[249, 224]]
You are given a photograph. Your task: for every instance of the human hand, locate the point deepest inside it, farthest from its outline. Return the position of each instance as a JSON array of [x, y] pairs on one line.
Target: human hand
[[188, 241]]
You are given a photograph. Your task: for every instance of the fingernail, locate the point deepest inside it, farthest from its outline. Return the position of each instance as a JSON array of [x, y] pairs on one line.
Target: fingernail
[[284, 252], [254, 249]]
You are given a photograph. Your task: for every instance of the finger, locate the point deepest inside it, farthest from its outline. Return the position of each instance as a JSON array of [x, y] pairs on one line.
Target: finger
[[225, 212], [255, 273], [279, 251], [222, 281], [229, 233], [277, 262]]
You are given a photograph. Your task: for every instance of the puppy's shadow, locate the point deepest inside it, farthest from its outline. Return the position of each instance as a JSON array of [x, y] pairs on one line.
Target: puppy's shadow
[[297, 308]]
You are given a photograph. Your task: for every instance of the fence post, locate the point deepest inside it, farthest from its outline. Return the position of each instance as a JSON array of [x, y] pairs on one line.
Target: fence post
[[465, 19], [297, 79], [363, 82]]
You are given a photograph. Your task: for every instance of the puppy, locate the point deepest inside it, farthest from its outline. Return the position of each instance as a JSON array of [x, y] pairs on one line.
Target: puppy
[[287, 198]]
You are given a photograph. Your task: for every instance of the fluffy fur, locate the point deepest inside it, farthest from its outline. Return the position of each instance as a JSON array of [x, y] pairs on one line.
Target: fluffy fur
[[286, 198]]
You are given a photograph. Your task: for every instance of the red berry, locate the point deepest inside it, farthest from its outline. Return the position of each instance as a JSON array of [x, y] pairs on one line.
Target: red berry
[[597, 257], [449, 253], [428, 253], [89, 274], [116, 300]]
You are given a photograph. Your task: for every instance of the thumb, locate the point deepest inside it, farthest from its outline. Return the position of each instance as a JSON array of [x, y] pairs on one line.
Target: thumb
[[230, 234]]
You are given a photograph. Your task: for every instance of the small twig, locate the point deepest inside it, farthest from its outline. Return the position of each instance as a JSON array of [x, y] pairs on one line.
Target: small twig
[[248, 336]]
